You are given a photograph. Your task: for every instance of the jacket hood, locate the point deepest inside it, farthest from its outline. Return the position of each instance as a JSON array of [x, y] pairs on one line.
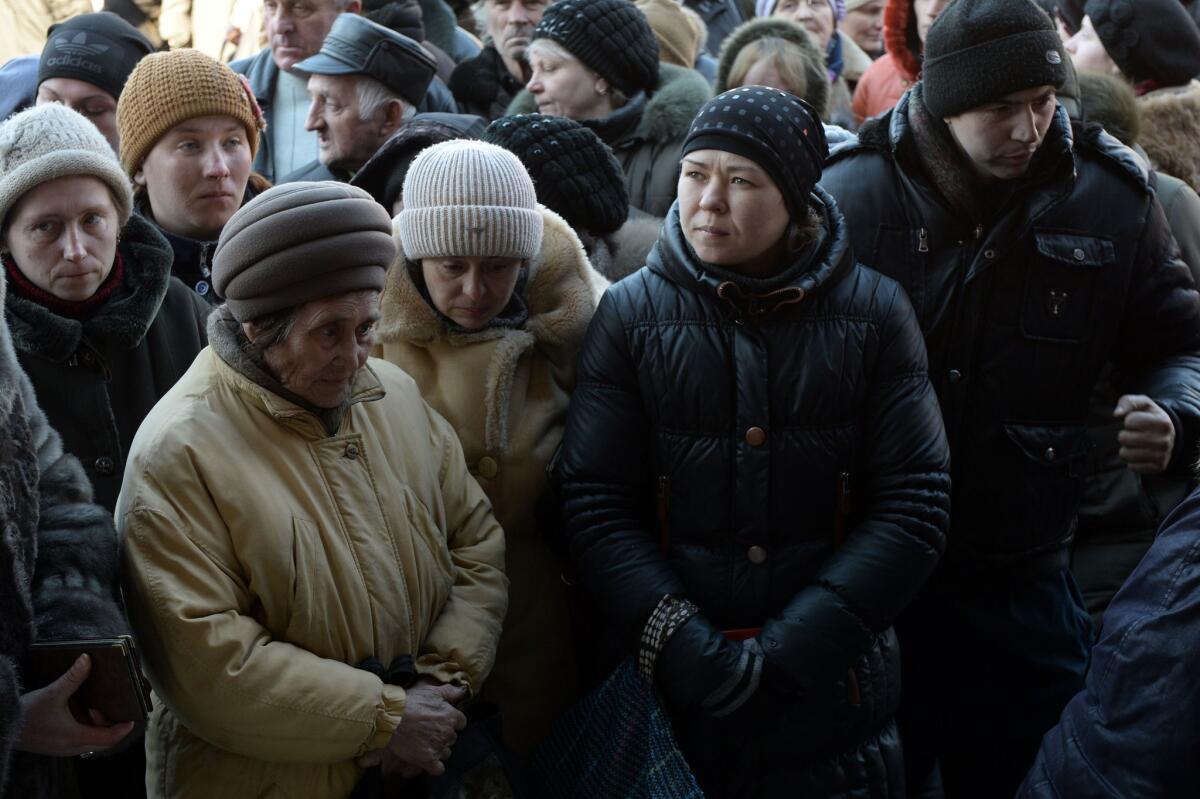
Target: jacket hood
[[1171, 131], [900, 37], [123, 320], [674, 259], [669, 112], [767, 27], [560, 293]]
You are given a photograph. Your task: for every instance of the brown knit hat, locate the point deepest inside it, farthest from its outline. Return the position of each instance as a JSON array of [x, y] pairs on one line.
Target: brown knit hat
[[168, 88], [301, 242], [678, 35]]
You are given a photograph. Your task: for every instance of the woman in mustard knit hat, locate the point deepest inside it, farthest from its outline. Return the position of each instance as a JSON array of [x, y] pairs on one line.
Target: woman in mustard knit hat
[[189, 130]]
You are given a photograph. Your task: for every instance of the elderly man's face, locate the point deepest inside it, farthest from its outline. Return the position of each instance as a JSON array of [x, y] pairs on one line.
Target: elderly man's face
[[296, 28], [344, 139], [328, 343], [510, 25]]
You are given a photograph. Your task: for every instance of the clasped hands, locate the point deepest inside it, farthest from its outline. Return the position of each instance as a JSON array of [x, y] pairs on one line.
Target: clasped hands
[[426, 735]]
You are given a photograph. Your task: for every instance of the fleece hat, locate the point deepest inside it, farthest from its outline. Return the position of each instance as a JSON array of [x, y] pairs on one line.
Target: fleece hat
[[678, 37], [611, 37], [981, 50], [774, 129], [100, 49], [464, 198], [301, 242], [575, 173], [168, 88], [1154, 41], [51, 141]]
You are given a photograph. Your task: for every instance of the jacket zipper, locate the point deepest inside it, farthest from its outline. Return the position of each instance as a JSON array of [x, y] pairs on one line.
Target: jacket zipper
[[923, 240], [664, 513]]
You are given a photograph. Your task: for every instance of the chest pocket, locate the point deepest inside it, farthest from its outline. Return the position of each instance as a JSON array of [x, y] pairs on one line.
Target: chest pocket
[[1061, 285]]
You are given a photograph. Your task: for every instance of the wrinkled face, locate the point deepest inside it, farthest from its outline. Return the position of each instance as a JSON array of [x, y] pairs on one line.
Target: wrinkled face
[[927, 11], [1088, 53], [731, 212], [328, 343], [63, 236], [296, 28], [510, 25], [815, 15], [344, 139], [564, 87], [765, 73], [196, 175], [97, 105], [471, 290], [865, 26], [1001, 138]]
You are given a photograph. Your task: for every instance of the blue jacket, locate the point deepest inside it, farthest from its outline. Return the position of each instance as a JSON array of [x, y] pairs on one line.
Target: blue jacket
[[1132, 731], [261, 72], [18, 84]]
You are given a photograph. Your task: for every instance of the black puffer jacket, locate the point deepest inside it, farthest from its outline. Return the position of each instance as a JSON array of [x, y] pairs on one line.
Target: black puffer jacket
[[1021, 313], [97, 379], [676, 386]]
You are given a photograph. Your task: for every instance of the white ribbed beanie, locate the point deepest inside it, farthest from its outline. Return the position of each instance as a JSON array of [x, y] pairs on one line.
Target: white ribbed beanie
[[51, 141], [465, 198]]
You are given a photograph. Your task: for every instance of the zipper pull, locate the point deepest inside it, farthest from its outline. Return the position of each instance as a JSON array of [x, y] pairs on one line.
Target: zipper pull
[[922, 240], [978, 232]]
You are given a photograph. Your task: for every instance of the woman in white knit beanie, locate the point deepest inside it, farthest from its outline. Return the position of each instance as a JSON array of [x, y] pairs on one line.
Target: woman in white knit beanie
[[487, 311]]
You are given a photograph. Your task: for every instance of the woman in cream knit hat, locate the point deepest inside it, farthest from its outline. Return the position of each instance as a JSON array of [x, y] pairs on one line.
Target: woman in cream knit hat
[[487, 310], [189, 130]]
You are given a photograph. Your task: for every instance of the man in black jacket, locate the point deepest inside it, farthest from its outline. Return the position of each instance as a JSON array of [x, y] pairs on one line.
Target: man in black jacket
[[1035, 256], [486, 84]]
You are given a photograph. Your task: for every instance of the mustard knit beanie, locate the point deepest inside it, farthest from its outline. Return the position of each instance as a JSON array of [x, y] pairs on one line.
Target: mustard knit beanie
[[51, 141], [168, 88], [465, 198]]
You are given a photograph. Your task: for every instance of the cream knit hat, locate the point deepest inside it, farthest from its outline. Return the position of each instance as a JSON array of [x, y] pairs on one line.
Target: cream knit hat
[[168, 88], [465, 198], [51, 141]]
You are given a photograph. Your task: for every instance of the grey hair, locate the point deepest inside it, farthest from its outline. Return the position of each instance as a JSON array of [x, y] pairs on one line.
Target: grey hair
[[373, 95], [553, 49], [479, 16], [269, 330]]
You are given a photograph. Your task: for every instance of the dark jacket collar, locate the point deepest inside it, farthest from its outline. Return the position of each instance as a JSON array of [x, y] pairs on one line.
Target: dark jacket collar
[[121, 322], [815, 269], [621, 123], [484, 79]]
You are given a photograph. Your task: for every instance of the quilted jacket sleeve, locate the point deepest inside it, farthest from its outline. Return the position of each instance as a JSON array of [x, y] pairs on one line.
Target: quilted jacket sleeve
[[1158, 348], [605, 486], [901, 504]]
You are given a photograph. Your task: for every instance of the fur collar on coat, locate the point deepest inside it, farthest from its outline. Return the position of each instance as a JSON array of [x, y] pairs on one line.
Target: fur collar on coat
[[1171, 131]]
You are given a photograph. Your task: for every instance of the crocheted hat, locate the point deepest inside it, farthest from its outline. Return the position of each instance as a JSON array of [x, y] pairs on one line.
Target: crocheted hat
[[1150, 40], [301, 242], [610, 37], [168, 88], [575, 173], [464, 198], [51, 141]]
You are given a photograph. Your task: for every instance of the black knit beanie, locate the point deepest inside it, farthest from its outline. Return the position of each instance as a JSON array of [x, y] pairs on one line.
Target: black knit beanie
[[1150, 40], [774, 129], [574, 172], [611, 37], [100, 49], [981, 50]]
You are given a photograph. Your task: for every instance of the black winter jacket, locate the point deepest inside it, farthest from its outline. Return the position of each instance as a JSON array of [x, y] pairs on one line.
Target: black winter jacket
[[1021, 313], [483, 86], [98, 379], [827, 376]]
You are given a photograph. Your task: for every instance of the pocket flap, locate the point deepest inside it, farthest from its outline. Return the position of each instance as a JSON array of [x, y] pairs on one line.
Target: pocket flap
[[1075, 249], [1050, 444]]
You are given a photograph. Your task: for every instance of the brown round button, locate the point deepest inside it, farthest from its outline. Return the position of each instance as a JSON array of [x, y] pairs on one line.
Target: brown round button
[[756, 436], [488, 467], [756, 555]]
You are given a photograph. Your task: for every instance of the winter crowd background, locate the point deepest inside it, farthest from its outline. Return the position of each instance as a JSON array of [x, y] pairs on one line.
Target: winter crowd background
[[399, 372]]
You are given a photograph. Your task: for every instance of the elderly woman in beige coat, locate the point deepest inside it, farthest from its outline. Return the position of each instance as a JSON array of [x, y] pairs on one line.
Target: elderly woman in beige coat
[[487, 312], [292, 512]]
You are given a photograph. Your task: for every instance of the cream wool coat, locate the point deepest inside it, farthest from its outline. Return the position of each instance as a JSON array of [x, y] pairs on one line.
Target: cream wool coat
[[266, 558], [505, 392]]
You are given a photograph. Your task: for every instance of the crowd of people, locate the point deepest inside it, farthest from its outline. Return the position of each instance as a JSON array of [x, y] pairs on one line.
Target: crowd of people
[[392, 372]]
